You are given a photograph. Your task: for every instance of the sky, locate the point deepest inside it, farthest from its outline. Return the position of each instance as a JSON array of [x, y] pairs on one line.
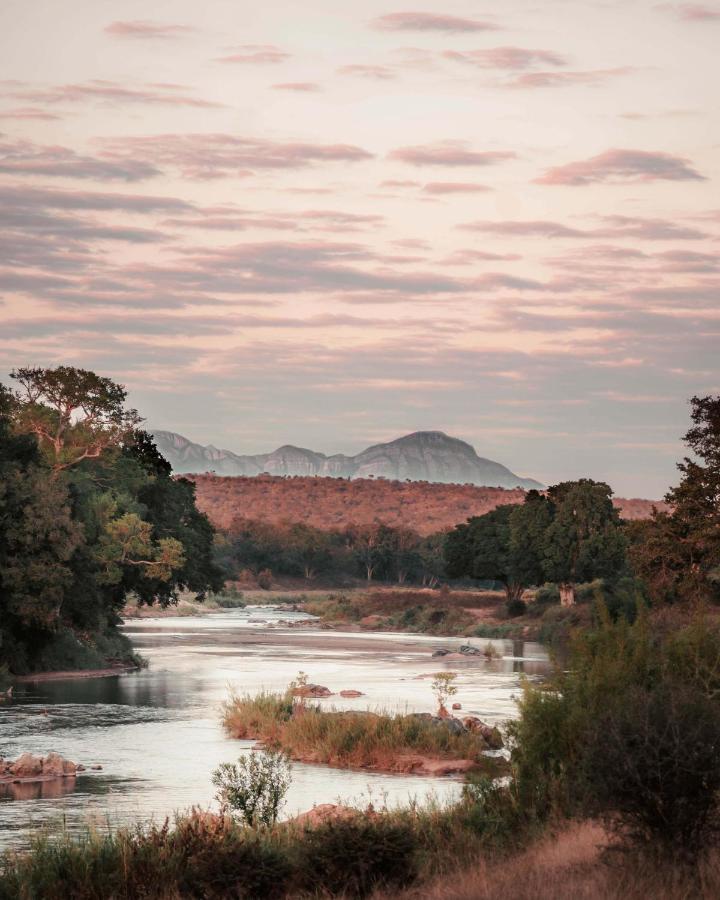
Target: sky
[[330, 224]]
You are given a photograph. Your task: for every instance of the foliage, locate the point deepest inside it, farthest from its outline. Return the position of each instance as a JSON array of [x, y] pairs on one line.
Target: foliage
[[254, 788], [75, 414], [444, 687], [88, 515], [584, 541], [481, 549], [630, 728], [677, 553], [357, 856]]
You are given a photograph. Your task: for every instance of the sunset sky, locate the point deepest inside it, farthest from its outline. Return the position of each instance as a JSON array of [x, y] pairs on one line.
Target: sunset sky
[[329, 223]]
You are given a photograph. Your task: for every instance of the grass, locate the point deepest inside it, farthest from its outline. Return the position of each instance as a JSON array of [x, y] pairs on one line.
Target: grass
[[349, 739], [212, 856], [418, 611], [573, 863]]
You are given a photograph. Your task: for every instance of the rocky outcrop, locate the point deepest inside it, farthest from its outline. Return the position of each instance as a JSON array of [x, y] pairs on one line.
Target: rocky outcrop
[[312, 690], [422, 456], [349, 694], [28, 767]]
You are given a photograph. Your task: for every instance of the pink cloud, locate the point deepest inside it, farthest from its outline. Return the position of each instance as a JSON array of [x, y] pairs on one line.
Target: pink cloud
[[26, 158], [422, 21], [144, 30], [383, 73], [634, 166], [448, 153], [114, 92], [566, 79], [693, 12], [299, 86], [454, 187], [616, 227], [256, 53], [219, 155], [29, 112], [505, 58]]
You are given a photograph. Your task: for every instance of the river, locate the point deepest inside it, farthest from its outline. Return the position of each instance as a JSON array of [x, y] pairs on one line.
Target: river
[[157, 734]]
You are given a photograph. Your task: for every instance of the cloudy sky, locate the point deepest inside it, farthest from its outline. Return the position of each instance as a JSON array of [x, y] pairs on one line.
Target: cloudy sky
[[330, 224]]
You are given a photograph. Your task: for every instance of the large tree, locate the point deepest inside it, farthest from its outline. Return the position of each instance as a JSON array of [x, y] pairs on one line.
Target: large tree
[[584, 541], [480, 549], [677, 553], [88, 513], [75, 414]]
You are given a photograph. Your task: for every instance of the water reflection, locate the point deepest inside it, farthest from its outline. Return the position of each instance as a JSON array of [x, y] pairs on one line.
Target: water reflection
[[36, 790], [157, 732]]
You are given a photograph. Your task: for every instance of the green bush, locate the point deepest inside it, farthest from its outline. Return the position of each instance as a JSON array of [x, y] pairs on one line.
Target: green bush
[[254, 788], [631, 728], [355, 857]]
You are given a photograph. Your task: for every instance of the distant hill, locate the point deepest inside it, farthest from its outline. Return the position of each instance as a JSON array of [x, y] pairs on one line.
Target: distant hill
[[330, 503], [422, 456]]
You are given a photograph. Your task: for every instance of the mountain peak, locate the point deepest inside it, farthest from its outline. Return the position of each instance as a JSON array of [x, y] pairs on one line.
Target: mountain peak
[[421, 456]]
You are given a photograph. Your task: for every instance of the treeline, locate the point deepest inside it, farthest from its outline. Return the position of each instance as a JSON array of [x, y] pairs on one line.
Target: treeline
[[572, 534], [89, 514], [374, 552]]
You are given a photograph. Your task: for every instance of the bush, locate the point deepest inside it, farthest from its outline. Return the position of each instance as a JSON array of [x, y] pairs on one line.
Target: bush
[[630, 728], [265, 579], [254, 787], [515, 607], [355, 857], [652, 765]]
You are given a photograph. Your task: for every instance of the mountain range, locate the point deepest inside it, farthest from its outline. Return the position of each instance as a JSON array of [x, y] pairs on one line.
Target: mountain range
[[422, 456]]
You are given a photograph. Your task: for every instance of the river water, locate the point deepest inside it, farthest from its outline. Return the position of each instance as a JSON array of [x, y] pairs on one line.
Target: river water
[[157, 733]]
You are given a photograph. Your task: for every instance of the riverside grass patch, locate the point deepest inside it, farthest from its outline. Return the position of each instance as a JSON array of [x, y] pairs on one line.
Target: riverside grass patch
[[348, 739]]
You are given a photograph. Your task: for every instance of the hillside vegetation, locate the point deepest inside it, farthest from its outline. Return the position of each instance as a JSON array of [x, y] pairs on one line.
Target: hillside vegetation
[[331, 503]]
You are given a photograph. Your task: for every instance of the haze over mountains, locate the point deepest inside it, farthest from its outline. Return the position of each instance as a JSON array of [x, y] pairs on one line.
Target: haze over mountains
[[422, 456]]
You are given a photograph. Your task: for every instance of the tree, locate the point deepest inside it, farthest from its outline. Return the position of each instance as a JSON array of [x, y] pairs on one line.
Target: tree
[[369, 545], [584, 541], [75, 414], [678, 553], [528, 525], [480, 549]]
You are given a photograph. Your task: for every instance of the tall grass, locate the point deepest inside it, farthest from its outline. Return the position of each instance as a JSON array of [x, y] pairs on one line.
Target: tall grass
[[348, 739]]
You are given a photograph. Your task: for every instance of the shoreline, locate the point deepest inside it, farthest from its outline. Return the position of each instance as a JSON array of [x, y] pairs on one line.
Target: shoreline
[[79, 673]]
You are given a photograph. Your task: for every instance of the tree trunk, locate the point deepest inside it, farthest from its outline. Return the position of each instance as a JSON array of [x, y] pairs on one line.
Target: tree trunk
[[514, 592], [567, 594]]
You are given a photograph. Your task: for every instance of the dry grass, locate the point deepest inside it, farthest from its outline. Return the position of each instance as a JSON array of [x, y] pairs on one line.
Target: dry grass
[[573, 864], [349, 739]]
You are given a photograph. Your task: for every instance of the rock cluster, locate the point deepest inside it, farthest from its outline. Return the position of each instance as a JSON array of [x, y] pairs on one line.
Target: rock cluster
[[28, 767]]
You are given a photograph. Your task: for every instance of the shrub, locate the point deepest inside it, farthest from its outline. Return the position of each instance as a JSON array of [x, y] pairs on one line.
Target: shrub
[[255, 786], [265, 579], [355, 857], [651, 763], [515, 607], [631, 728]]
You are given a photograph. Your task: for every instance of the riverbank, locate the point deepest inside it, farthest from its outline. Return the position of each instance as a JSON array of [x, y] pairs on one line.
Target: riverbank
[[75, 674]]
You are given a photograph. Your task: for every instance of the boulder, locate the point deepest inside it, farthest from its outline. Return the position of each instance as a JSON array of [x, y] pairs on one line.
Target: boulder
[[325, 812], [491, 735], [457, 706], [453, 725], [349, 694], [312, 690], [441, 652], [55, 766], [27, 766], [469, 650]]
